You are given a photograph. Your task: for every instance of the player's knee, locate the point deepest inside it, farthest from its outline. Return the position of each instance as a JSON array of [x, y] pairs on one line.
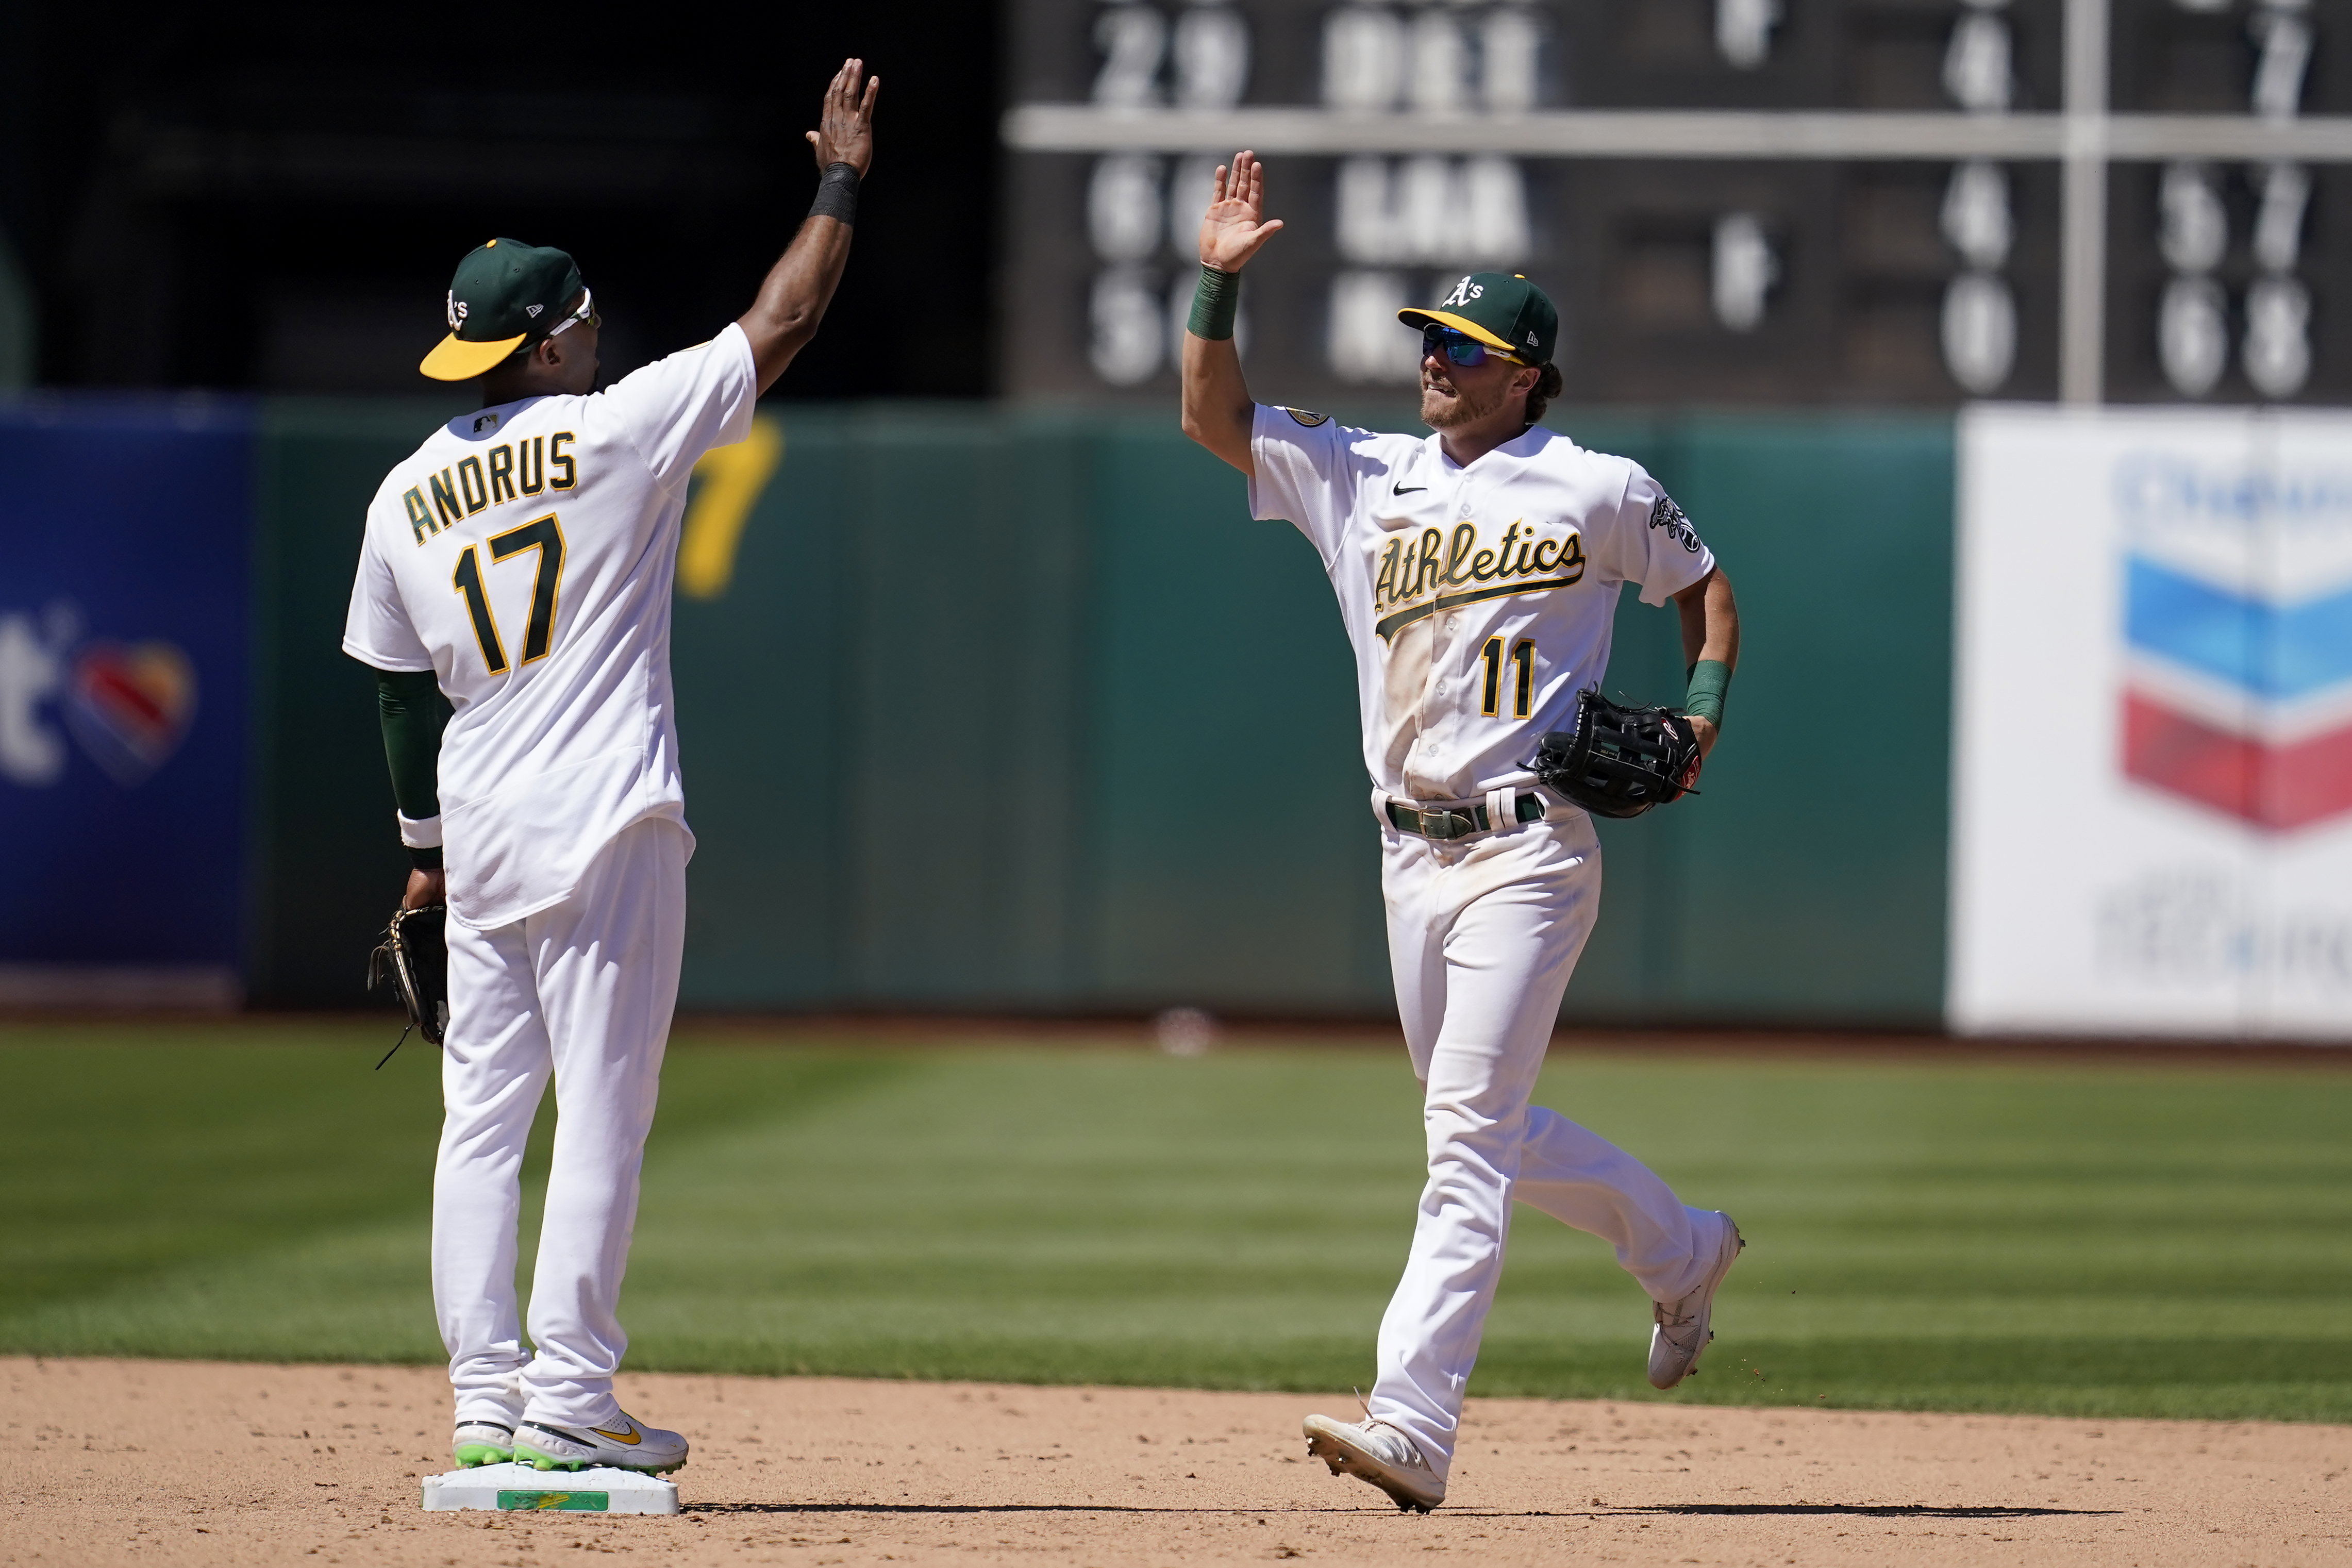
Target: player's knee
[[1457, 1134]]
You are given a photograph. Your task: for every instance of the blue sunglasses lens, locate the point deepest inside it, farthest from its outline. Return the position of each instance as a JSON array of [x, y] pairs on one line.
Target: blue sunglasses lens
[[1468, 352]]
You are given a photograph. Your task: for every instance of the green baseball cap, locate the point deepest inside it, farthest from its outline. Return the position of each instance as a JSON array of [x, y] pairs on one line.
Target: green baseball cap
[[506, 293], [1501, 310]]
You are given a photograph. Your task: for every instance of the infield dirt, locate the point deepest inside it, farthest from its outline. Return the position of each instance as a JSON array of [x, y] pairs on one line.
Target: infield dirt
[[172, 1463]]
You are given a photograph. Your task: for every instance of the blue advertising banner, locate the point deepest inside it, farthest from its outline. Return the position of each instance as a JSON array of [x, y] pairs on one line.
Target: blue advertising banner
[[124, 538]]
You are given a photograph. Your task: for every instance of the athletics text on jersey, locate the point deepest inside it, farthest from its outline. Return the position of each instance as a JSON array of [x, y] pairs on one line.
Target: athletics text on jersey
[[1480, 600], [524, 555]]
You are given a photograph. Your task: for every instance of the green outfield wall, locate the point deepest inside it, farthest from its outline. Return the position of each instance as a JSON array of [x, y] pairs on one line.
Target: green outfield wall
[[985, 707]]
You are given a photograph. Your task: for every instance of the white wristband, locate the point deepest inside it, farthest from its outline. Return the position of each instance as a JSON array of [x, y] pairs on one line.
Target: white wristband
[[419, 832]]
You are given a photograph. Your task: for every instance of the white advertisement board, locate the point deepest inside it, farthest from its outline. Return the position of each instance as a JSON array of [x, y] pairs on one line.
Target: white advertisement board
[[2152, 759]]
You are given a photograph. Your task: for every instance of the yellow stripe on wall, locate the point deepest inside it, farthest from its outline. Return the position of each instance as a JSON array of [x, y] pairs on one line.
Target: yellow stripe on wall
[[726, 485]]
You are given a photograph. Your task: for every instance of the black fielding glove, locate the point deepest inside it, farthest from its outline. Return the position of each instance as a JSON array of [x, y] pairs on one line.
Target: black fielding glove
[[1617, 761], [416, 958]]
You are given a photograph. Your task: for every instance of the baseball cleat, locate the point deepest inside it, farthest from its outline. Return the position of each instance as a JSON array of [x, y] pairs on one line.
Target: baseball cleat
[[1681, 1331], [1377, 1452], [625, 1446], [482, 1443]]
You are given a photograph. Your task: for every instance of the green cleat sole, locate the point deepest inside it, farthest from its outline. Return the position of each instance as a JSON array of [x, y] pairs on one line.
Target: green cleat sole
[[469, 1455]]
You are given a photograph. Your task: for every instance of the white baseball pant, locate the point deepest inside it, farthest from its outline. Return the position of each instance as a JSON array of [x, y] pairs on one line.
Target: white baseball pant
[[1483, 935], [584, 992]]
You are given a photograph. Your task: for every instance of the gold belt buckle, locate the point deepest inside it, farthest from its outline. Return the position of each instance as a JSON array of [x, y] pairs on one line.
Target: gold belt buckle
[[1442, 824]]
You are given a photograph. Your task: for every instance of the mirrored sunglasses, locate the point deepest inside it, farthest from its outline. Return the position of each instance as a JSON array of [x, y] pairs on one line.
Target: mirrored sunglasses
[[1460, 348]]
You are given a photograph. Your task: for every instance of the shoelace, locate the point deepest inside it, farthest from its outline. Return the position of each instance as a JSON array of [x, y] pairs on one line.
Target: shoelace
[[1667, 1315], [1409, 1451]]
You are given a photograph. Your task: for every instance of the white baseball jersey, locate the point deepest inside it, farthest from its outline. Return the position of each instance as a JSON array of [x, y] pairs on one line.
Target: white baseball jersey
[[524, 555], [1479, 599]]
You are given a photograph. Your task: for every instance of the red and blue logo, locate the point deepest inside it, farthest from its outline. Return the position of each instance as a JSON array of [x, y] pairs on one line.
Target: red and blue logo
[[130, 705], [2238, 634]]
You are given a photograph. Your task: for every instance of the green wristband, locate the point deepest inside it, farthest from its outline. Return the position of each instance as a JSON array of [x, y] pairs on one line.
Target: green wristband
[[1214, 301], [1710, 682]]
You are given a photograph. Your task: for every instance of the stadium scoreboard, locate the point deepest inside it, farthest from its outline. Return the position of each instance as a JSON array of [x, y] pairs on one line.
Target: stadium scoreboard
[[1740, 202]]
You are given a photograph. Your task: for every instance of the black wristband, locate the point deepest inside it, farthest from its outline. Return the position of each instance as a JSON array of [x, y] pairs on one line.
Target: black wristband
[[836, 195], [426, 859]]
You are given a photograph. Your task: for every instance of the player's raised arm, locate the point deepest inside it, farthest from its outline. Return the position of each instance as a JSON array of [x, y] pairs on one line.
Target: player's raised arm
[[1218, 411], [792, 301]]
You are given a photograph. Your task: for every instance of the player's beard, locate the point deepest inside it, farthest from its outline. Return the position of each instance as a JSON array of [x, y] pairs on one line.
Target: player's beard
[[1466, 406]]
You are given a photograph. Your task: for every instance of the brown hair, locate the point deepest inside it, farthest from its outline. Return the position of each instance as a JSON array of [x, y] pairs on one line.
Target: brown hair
[[1548, 386]]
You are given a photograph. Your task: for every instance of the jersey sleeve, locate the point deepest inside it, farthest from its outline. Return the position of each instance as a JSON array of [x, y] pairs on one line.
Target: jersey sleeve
[[676, 409], [1306, 472], [377, 630], [1655, 544]]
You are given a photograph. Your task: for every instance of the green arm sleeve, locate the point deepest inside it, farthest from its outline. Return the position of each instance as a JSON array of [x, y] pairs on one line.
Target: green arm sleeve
[[412, 710]]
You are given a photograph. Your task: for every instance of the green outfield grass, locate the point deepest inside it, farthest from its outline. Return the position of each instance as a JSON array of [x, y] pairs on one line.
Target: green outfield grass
[[2070, 1238]]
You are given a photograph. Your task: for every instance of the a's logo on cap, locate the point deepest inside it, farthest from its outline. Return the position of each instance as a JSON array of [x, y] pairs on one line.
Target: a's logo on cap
[[1464, 292], [456, 310]]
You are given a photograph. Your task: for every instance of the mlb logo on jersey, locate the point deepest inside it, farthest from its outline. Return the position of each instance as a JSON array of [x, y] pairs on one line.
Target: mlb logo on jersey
[[2237, 627]]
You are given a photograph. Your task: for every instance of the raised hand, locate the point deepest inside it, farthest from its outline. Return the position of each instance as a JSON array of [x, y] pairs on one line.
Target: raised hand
[[846, 133], [1233, 226]]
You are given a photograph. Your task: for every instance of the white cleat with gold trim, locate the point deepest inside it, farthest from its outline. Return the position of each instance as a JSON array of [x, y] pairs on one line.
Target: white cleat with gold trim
[[625, 1444]]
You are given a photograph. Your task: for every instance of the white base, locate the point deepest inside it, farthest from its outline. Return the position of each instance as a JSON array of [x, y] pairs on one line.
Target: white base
[[512, 1488]]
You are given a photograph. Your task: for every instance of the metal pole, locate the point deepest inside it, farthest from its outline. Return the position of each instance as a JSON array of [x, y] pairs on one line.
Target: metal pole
[[2083, 222]]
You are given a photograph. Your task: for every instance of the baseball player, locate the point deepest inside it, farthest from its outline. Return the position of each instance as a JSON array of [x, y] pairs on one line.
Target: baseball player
[[519, 565], [1478, 570]]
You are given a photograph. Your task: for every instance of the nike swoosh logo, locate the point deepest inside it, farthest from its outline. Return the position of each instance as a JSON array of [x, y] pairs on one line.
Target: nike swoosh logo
[[631, 1438], [1410, 490]]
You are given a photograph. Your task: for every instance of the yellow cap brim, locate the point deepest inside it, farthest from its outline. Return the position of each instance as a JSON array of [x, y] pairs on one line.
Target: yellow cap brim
[[1418, 319], [454, 359]]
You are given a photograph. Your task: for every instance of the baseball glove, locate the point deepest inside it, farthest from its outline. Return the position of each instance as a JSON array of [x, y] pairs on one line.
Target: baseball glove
[[1618, 761], [416, 958]]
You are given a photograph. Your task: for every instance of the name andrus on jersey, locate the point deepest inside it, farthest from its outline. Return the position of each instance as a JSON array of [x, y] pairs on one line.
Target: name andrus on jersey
[[506, 471], [1434, 563]]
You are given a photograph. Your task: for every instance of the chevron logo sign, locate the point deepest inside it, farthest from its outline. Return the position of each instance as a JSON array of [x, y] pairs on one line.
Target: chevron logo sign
[[2237, 636]]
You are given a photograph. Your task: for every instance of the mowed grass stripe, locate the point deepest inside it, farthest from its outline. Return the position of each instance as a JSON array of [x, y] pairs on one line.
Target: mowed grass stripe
[[2152, 1239]]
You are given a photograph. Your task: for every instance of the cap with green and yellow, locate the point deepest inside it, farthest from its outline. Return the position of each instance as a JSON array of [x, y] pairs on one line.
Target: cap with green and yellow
[[1501, 310], [506, 293]]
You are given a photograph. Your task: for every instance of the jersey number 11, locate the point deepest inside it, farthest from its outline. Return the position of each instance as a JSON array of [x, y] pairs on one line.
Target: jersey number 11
[[1523, 663]]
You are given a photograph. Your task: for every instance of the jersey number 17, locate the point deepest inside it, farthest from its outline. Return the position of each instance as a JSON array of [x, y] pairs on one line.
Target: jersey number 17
[[543, 534]]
